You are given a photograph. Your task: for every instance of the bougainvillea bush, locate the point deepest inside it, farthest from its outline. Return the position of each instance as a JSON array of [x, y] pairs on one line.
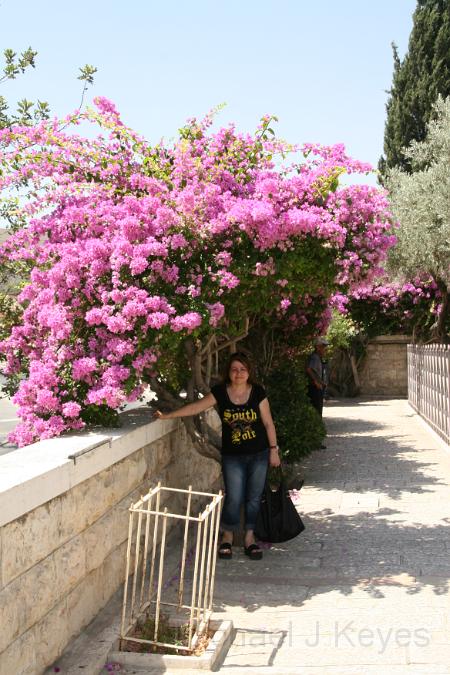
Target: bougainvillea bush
[[145, 260], [408, 308], [384, 307]]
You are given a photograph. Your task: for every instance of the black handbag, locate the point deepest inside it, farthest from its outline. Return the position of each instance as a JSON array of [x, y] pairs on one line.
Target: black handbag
[[277, 519]]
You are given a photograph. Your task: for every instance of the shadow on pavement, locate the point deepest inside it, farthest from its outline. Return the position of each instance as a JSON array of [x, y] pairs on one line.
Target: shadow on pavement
[[377, 515]]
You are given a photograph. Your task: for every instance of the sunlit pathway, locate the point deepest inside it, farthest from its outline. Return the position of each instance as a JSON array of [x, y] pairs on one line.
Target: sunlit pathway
[[365, 589]]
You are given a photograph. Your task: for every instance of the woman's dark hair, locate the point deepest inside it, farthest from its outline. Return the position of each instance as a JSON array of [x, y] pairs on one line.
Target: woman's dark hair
[[243, 358]]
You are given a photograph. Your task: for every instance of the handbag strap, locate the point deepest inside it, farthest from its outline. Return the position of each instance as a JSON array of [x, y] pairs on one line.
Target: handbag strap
[[281, 478], [280, 482]]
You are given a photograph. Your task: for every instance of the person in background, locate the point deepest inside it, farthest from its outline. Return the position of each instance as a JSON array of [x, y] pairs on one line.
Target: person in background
[[249, 446], [315, 371]]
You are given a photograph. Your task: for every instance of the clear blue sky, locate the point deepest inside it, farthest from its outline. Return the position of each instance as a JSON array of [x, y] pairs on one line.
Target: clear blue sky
[[321, 66]]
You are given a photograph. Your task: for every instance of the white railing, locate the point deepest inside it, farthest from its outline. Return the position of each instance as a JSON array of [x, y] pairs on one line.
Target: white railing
[[429, 385]]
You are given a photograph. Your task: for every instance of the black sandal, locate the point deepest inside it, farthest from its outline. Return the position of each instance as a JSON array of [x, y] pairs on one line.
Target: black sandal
[[225, 551], [253, 551]]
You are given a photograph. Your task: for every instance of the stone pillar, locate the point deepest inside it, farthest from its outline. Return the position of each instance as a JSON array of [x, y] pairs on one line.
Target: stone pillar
[[384, 371]]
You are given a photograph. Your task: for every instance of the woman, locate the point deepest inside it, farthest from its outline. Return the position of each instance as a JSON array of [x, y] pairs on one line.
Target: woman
[[249, 445]]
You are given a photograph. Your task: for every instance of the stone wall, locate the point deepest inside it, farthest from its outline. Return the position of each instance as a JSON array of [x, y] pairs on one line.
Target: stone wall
[[64, 524], [384, 371]]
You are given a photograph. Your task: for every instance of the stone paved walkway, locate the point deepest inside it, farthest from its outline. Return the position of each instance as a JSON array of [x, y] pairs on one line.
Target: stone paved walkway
[[365, 589]]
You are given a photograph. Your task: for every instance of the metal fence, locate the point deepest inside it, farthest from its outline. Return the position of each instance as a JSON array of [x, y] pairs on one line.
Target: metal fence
[[429, 385]]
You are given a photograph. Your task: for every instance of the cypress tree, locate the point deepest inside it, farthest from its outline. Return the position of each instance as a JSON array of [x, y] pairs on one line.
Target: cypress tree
[[418, 79]]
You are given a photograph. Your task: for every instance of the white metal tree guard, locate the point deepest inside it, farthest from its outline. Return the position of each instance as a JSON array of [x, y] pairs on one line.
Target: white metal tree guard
[[150, 584]]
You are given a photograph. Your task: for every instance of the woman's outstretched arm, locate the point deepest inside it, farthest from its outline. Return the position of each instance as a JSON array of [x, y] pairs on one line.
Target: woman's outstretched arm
[[190, 409]]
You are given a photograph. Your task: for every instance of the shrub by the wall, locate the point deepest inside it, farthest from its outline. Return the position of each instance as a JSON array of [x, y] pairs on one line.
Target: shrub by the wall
[[300, 429]]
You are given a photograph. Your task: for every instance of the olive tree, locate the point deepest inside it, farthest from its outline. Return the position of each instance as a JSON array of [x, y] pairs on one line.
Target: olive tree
[[421, 203]]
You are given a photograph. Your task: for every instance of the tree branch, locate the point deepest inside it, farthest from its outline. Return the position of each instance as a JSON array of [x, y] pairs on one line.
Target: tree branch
[[205, 439]]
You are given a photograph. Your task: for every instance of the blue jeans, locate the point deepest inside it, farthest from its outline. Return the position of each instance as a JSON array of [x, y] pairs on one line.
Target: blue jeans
[[244, 477]]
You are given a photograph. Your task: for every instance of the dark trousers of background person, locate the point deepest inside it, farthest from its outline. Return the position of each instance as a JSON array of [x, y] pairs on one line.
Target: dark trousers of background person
[[316, 398]]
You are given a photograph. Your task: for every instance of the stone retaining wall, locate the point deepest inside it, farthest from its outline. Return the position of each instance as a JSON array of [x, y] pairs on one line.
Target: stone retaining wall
[[384, 371], [64, 524]]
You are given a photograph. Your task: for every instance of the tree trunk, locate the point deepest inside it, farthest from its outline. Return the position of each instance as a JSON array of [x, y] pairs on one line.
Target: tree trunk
[[205, 439], [355, 374]]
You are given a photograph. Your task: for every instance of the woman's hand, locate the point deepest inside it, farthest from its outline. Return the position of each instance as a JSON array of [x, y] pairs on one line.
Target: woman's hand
[[274, 457], [189, 409], [161, 416]]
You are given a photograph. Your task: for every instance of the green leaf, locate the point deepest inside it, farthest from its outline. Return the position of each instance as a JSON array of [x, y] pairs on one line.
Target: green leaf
[[87, 74]]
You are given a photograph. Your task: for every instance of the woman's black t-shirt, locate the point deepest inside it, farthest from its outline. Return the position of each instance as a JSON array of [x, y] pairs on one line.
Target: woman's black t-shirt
[[242, 428]]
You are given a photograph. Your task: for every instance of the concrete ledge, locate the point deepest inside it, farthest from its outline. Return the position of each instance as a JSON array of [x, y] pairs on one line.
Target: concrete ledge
[[37, 473], [392, 339]]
